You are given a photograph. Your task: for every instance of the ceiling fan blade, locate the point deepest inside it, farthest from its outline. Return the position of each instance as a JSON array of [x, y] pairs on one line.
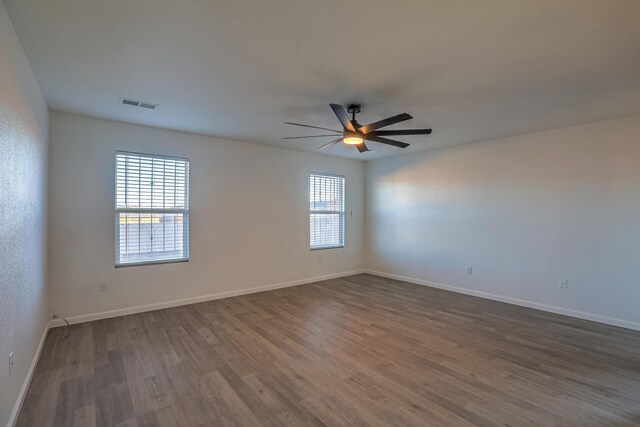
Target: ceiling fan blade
[[342, 115], [310, 136], [402, 132], [329, 144], [362, 147], [386, 122], [312, 127], [381, 140]]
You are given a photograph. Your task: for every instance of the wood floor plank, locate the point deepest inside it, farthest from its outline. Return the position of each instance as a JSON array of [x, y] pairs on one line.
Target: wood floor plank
[[360, 350]]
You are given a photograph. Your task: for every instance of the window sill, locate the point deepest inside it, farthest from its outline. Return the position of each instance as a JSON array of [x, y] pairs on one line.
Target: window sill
[[143, 263], [326, 247]]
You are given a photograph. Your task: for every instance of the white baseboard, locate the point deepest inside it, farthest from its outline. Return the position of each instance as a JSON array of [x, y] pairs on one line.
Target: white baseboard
[[185, 301], [27, 380], [524, 303]]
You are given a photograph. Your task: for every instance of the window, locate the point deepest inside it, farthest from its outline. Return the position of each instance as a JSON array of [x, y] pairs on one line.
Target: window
[[152, 209], [326, 211]]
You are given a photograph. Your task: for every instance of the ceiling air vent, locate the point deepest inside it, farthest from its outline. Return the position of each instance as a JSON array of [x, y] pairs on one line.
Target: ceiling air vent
[[141, 104]]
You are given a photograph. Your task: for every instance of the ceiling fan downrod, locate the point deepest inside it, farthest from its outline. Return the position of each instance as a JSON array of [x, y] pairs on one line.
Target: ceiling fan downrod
[[354, 109]]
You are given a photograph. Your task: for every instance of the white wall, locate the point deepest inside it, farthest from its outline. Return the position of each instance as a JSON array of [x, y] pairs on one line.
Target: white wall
[[23, 180], [249, 209], [525, 212]]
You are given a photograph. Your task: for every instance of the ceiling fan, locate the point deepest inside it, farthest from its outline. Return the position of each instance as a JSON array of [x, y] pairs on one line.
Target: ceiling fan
[[355, 134]]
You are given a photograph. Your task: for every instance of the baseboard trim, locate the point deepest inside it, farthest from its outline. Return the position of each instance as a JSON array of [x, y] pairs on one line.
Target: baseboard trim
[[523, 303], [27, 380], [193, 300]]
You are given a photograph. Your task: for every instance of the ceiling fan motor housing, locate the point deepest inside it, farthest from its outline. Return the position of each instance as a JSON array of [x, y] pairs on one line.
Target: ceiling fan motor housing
[[348, 134]]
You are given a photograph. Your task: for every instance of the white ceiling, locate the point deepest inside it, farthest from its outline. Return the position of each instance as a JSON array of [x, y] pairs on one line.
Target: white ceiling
[[472, 70]]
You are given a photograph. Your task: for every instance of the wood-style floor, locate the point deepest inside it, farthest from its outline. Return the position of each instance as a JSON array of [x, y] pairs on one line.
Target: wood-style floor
[[361, 350]]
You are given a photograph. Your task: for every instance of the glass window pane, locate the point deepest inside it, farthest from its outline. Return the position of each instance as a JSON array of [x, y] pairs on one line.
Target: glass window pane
[[151, 237]]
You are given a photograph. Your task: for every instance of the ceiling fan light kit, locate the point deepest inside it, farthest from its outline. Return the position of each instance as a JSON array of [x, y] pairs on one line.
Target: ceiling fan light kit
[[352, 138], [353, 133]]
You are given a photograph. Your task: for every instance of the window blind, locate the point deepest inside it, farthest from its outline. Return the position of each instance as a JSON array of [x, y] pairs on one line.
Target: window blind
[[326, 211], [152, 208]]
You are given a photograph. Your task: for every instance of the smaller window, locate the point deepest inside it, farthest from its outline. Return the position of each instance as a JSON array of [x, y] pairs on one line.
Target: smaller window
[[152, 209], [326, 211]]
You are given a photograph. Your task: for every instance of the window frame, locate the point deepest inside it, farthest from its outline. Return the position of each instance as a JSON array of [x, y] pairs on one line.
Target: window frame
[[343, 216], [184, 212]]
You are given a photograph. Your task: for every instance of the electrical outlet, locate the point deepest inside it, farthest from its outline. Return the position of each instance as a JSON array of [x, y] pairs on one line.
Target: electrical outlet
[[320, 260], [11, 362], [241, 271], [469, 270], [102, 286], [564, 283]]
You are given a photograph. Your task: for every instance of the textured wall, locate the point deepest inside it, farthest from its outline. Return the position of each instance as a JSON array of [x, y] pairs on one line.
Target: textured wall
[[23, 159], [248, 211], [524, 212]]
